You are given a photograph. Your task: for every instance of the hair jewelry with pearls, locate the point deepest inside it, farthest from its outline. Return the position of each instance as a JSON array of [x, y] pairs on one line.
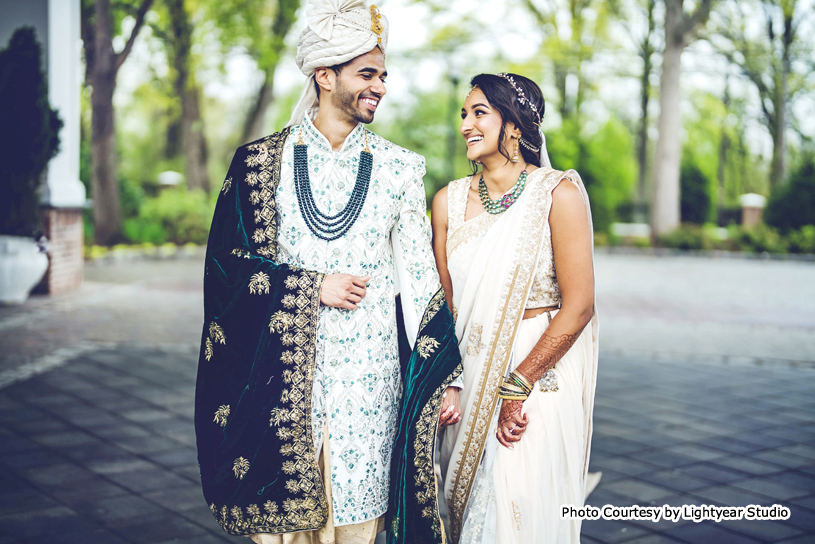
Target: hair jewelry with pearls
[[521, 96]]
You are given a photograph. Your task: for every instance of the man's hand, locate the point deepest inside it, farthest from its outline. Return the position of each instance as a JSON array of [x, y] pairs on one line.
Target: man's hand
[[450, 407], [510, 423], [343, 290]]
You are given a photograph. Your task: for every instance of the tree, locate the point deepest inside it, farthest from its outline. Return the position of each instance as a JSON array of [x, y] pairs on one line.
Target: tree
[[646, 52], [102, 64], [177, 33], [681, 29], [260, 27], [570, 48], [768, 61]]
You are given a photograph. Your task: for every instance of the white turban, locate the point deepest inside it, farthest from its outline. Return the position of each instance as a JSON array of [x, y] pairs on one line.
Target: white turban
[[337, 31]]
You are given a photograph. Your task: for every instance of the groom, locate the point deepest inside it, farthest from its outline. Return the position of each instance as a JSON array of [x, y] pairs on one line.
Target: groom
[[317, 229]]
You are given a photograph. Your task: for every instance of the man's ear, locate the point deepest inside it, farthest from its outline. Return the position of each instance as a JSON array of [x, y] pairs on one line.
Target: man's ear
[[323, 79]]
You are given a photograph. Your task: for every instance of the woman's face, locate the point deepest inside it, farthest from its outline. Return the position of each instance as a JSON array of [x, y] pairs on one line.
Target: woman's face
[[481, 127]]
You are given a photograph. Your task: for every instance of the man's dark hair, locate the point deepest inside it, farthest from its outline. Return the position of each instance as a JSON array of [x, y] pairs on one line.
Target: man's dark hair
[[504, 99]]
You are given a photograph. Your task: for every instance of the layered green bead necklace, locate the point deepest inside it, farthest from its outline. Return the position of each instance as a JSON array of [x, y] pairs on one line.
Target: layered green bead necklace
[[502, 204]]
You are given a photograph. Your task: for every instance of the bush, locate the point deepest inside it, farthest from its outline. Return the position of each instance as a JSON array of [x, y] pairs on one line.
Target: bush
[[30, 133], [691, 237], [803, 240], [793, 205], [695, 201], [175, 215], [760, 239]]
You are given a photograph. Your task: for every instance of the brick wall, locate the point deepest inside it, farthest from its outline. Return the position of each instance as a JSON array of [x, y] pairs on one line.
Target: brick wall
[[63, 227]]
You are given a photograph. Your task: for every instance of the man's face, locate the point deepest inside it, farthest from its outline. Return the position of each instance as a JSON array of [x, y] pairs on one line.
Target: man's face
[[360, 86]]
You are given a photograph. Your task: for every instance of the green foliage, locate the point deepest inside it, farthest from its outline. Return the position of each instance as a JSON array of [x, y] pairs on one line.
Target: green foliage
[[693, 237], [31, 132], [175, 215], [695, 202], [793, 205], [803, 240], [605, 161], [760, 238]]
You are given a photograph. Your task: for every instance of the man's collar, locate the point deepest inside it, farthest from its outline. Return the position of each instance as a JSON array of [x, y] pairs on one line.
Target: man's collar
[[312, 136]]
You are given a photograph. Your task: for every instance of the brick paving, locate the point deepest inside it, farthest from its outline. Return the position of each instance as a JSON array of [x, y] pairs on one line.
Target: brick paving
[[97, 444]]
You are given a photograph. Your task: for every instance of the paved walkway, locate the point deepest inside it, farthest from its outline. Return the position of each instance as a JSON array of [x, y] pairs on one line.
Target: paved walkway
[[96, 390]]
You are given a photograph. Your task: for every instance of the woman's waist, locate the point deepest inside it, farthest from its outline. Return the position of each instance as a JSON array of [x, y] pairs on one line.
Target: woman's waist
[[530, 313]]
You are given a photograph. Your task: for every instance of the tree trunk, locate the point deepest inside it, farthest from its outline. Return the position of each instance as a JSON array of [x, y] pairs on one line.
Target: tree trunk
[[665, 194], [192, 126], [645, 94], [680, 30], [107, 214], [102, 65]]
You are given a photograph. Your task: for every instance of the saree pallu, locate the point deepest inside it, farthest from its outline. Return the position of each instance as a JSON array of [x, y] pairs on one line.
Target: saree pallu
[[492, 492]]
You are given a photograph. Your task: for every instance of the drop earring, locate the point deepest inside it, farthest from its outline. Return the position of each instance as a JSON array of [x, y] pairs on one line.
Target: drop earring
[[516, 157]]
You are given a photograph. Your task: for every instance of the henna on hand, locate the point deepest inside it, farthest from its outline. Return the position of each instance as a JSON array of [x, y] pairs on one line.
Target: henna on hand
[[546, 353], [511, 424]]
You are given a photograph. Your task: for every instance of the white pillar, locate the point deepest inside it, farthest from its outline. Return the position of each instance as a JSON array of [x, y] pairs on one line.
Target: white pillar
[[62, 188]]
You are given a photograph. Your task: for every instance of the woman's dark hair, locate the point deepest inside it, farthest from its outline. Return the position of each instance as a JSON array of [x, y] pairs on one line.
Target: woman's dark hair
[[503, 97]]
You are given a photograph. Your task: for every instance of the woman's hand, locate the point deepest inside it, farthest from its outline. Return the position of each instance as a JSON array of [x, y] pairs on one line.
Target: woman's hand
[[450, 407], [343, 290], [511, 425]]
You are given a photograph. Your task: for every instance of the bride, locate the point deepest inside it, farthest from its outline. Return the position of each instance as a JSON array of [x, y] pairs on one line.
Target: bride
[[513, 243]]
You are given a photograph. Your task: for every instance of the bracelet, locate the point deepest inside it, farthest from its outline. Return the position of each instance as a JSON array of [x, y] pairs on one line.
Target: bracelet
[[514, 387]]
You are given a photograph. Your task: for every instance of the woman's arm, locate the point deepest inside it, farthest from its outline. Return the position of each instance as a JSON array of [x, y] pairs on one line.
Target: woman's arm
[[451, 405], [438, 220], [574, 269]]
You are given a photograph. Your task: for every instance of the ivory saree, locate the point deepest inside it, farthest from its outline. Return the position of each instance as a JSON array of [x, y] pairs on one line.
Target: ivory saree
[[495, 494]]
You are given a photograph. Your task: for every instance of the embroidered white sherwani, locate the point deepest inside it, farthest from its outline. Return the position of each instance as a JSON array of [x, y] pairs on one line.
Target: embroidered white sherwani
[[357, 384]]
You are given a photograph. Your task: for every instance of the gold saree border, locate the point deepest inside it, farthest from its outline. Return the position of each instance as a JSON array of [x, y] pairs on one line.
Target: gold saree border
[[513, 293]]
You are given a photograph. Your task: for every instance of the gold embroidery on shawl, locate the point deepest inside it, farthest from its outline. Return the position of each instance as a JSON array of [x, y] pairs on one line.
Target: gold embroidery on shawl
[[426, 346], [474, 344], [433, 307], [208, 349], [227, 185], [221, 414], [240, 468], [512, 293], [259, 284], [516, 513]]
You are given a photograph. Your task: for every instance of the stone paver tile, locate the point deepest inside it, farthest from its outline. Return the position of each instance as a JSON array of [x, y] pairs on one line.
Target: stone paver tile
[[158, 530], [771, 489], [801, 518], [749, 465], [179, 499], [802, 450], [67, 438], [120, 463], [124, 509], [14, 501], [154, 445], [767, 531], [206, 539], [676, 479], [41, 457], [41, 522], [615, 445], [806, 502], [60, 475], [653, 539], [697, 452], [663, 458], [146, 415], [729, 496], [714, 472], [784, 459], [730, 445], [638, 490], [611, 531], [177, 458], [624, 465], [147, 480], [708, 533]]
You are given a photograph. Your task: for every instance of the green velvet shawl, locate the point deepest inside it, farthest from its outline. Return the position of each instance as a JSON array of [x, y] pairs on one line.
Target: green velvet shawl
[[256, 369]]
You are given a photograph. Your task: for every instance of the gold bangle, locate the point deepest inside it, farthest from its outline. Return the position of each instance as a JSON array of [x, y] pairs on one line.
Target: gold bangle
[[520, 380]]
